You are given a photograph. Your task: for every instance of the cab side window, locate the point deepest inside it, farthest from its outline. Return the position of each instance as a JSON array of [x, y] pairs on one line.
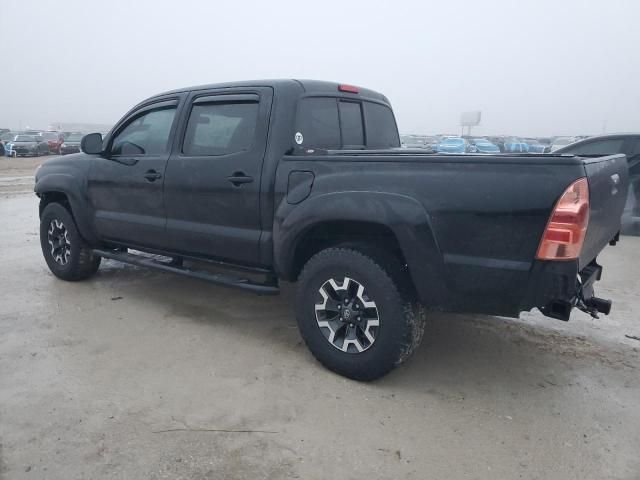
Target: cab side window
[[147, 134], [220, 128]]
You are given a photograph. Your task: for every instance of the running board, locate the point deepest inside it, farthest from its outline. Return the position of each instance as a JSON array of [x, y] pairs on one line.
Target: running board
[[218, 278]]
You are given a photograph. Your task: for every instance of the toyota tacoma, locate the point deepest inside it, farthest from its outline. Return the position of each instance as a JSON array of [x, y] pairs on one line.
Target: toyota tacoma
[[305, 181]]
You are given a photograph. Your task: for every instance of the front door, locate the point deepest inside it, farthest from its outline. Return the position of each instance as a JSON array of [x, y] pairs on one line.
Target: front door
[[212, 184], [126, 185]]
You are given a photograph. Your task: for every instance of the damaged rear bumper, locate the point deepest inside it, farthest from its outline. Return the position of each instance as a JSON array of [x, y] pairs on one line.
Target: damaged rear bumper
[[556, 288]]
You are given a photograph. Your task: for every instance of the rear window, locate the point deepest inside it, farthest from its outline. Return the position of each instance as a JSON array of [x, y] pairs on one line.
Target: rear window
[[381, 126], [330, 123], [351, 124], [318, 125]]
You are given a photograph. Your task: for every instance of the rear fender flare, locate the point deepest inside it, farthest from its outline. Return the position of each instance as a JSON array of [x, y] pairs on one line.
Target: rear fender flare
[[403, 215]]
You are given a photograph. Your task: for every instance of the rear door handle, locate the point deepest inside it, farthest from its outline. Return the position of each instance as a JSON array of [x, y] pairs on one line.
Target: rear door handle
[[238, 178], [152, 175]]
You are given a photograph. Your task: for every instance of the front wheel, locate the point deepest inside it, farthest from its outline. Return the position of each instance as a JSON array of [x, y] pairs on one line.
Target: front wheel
[[354, 315], [65, 251]]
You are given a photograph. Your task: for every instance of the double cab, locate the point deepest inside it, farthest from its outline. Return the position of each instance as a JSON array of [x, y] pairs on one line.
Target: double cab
[[305, 181]]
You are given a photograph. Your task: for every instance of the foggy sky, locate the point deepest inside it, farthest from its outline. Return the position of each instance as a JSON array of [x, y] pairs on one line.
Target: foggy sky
[[532, 67]]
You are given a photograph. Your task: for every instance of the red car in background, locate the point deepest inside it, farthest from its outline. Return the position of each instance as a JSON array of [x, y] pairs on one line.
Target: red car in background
[[54, 139]]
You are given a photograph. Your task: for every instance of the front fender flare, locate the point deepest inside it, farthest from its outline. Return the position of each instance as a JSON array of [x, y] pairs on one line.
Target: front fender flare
[[70, 186]]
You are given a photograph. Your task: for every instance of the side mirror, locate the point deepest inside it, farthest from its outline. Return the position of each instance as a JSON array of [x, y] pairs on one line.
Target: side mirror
[[91, 144]]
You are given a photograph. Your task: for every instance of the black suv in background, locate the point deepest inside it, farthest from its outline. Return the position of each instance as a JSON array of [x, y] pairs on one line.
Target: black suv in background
[[629, 144]]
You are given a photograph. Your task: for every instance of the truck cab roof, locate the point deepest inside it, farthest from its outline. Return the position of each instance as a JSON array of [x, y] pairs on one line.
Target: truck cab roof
[[290, 86]]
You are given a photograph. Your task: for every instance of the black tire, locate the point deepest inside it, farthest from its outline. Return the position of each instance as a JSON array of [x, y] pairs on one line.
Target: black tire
[[401, 318], [76, 261]]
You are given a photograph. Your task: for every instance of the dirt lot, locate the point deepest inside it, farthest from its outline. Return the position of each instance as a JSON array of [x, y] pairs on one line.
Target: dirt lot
[[136, 375], [16, 174]]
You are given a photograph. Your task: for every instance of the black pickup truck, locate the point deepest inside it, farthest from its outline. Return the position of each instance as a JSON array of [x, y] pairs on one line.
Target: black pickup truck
[[305, 181]]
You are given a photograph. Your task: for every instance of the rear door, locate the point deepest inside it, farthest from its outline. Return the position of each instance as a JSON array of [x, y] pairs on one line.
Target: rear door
[[212, 185], [125, 187]]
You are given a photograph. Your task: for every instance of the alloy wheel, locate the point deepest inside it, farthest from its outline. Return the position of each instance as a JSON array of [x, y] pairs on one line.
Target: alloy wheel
[[58, 238], [347, 317]]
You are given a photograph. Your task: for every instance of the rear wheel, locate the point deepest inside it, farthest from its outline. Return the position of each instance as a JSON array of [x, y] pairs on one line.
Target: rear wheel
[[65, 251], [354, 315]]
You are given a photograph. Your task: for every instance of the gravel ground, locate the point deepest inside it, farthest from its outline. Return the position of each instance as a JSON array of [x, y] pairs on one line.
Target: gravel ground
[[136, 374]]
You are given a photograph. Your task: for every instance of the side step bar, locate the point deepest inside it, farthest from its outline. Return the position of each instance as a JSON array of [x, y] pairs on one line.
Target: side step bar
[[218, 278]]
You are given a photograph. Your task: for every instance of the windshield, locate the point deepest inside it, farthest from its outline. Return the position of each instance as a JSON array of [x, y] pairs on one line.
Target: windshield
[[50, 136], [563, 141], [8, 136], [453, 141], [74, 137], [25, 138]]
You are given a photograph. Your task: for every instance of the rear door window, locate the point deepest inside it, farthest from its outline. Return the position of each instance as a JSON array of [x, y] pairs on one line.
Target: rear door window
[[220, 128], [382, 131]]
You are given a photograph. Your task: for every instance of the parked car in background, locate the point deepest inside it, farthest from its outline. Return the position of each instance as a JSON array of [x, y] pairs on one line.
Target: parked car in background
[[536, 147], [54, 140], [71, 143], [432, 143], [498, 142], [27, 145], [629, 144], [482, 145], [3, 132], [5, 138], [515, 145], [561, 142], [413, 141], [452, 145]]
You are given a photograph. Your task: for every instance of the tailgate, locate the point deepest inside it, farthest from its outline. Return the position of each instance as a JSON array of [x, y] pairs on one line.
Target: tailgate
[[608, 183]]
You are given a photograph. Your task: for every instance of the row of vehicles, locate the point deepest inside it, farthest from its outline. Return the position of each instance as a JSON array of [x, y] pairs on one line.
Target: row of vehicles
[[494, 144], [33, 143], [626, 143]]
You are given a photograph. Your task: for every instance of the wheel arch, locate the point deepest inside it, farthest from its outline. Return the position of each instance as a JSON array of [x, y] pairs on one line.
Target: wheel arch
[[396, 223], [63, 189]]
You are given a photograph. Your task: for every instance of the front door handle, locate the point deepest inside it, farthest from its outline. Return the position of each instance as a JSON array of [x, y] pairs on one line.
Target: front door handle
[[238, 178], [152, 175]]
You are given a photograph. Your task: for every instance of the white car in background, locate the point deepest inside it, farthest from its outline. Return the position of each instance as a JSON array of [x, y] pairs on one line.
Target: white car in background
[[562, 142]]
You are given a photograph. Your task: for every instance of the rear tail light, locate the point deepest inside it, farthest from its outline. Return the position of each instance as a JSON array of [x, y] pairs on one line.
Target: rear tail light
[[567, 226]]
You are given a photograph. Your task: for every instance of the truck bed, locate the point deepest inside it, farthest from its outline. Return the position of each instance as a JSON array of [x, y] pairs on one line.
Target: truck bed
[[471, 224]]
